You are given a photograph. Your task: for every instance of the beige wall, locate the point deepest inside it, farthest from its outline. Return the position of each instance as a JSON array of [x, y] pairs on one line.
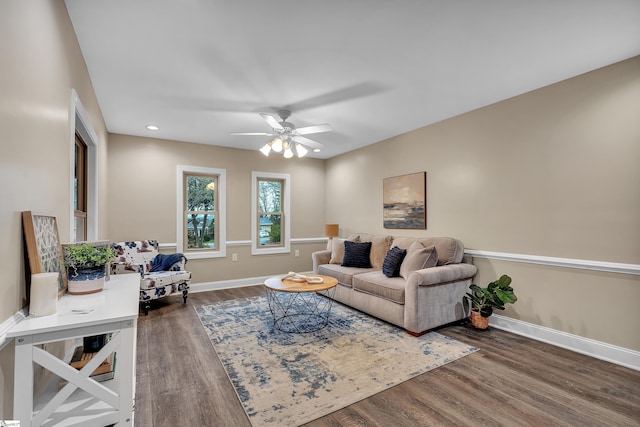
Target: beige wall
[[552, 173], [142, 201], [41, 63]]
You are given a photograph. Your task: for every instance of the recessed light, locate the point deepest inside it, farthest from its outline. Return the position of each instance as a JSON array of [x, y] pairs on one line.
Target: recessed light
[[316, 150], [152, 127]]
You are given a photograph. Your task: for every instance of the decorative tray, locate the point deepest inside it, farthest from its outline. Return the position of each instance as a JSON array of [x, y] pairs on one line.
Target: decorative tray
[[301, 278]]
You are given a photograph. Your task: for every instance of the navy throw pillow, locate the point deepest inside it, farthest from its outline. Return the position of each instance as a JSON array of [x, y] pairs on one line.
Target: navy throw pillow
[[356, 254], [393, 261]]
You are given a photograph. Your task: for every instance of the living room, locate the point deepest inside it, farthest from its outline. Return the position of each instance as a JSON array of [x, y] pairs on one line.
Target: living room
[[542, 186]]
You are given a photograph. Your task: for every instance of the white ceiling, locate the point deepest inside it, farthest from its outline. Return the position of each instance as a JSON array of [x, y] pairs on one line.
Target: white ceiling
[[373, 69]]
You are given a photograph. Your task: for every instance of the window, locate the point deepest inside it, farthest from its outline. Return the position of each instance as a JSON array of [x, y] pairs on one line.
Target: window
[[201, 230], [83, 175], [80, 190], [270, 213]]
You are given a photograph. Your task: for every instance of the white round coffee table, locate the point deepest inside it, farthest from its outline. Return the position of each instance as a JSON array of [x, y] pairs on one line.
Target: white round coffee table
[[299, 306]]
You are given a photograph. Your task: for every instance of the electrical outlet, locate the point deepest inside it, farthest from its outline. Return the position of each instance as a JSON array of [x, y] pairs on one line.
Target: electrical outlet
[[234, 257], [297, 252]]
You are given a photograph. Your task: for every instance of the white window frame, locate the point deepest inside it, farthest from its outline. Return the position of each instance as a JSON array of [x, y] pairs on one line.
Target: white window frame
[[80, 123], [286, 214], [221, 239]]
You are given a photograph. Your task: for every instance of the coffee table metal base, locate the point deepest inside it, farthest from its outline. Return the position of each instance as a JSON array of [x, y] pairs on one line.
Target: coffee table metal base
[[300, 312]]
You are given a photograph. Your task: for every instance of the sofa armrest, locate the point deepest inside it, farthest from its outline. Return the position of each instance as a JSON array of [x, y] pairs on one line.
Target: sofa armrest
[[435, 296], [444, 274], [319, 258]]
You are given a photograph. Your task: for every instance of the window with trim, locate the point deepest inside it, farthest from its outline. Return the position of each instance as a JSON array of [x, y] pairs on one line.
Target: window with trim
[[201, 222], [270, 213], [80, 191]]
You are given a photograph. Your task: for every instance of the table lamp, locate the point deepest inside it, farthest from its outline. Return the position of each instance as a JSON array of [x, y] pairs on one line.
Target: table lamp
[[331, 231]]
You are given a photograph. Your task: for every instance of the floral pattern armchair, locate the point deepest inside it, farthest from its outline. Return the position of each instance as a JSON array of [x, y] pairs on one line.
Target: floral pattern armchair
[[160, 275]]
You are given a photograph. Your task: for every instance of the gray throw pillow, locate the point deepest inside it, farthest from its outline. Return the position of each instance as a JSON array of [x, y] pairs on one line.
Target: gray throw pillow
[[418, 257]]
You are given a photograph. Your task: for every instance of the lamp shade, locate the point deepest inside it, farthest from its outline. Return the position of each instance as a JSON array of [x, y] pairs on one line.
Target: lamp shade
[[331, 230]]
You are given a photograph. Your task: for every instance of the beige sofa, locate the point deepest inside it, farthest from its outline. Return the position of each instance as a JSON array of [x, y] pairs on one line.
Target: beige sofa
[[425, 299]]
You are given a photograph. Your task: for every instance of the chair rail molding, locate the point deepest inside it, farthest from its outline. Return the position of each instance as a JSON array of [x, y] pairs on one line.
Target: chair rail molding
[[300, 240], [613, 267]]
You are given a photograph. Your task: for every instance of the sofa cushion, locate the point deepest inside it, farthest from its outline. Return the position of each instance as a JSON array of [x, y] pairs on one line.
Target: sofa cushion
[[418, 257], [450, 250], [376, 283], [393, 261], [380, 245], [356, 254], [164, 278], [343, 274]]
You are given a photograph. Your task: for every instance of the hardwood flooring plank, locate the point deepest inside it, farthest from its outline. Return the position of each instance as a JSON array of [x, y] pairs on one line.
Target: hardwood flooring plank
[[511, 381]]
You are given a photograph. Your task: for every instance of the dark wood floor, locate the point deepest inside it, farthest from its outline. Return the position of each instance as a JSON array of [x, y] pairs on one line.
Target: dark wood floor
[[511, 381]]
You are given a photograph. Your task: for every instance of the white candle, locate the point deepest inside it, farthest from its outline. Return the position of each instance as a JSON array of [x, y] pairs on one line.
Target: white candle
[[44, 294]]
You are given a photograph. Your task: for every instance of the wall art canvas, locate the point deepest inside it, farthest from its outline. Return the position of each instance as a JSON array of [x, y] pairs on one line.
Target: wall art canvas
[[43, 248], [404, 198]]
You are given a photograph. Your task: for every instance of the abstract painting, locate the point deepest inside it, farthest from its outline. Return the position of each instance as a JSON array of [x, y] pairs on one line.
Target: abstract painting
[[404, 198]]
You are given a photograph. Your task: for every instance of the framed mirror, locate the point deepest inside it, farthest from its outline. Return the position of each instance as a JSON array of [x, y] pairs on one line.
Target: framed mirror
[[43, 248]]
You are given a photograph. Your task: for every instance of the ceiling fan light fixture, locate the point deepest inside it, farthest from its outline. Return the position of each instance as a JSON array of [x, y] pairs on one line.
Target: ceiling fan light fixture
[[288, 153], [301, 150], [266, 149], [276, 144]]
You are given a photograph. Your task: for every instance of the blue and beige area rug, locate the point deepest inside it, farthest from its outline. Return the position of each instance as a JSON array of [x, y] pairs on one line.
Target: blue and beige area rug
[[288, 379]]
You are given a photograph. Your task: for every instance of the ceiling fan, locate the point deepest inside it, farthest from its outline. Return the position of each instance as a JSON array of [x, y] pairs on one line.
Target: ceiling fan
[[287, 137]]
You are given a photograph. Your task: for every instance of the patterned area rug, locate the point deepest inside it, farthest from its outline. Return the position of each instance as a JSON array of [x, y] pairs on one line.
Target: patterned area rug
[[288, 379]]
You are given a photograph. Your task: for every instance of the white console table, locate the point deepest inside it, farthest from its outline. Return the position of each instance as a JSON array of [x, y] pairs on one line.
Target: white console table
[[82, 401]]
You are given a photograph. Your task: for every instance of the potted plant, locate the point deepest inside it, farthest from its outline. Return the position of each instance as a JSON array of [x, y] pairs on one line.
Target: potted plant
[[484, 300], [86, 266]]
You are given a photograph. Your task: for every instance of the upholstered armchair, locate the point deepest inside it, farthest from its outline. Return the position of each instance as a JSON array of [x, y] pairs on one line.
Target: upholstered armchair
[[161, 275]]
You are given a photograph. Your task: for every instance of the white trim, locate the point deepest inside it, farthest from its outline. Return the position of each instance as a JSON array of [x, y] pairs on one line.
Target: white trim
[[311, 240], [600, 350], [10, 323], [613, 267], [301, 240], [221, 209], [286, 216], [79, 121], [167, 245]]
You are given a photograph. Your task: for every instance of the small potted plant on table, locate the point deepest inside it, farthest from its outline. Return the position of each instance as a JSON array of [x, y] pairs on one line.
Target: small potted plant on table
[[86, 266], [484, 300]]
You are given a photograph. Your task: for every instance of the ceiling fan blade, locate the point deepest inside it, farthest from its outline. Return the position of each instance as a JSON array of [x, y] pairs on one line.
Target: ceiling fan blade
[[272, 121], [252, 133], [314, 129], [308, 142]]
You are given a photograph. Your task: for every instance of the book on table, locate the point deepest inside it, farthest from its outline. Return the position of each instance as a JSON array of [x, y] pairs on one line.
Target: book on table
[[104, 371]]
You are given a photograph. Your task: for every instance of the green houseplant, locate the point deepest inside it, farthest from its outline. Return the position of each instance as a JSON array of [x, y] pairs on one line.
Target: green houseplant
[[485, 300], [86, 266]]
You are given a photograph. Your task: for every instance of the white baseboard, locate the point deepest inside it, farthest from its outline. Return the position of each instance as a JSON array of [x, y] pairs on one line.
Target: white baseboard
[[600, 350], [227, 284], [233, 283]]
